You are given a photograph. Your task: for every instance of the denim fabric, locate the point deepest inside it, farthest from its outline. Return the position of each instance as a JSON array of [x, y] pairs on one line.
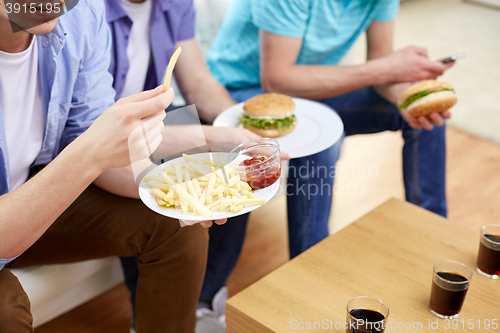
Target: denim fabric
[[363, 111], [224, 247], [309, 198], [130, 266]]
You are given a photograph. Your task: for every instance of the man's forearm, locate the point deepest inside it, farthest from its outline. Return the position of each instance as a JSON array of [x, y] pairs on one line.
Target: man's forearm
[[197, 84], [321, 81], [119, 181], [210, 98], [391, 91], [28, 211]]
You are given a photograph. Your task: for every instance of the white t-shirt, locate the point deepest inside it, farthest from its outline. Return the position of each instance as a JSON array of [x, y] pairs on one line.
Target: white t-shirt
[[139, 45], [22, 110]]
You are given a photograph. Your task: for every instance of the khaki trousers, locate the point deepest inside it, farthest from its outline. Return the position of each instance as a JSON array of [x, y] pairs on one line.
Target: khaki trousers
[[99, 224]]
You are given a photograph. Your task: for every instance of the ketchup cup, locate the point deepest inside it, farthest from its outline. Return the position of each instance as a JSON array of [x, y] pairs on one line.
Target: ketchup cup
[[262, 164]]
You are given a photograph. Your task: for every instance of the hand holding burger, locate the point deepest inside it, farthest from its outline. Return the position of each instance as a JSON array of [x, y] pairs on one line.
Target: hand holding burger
[[427, 102], [428, 96]]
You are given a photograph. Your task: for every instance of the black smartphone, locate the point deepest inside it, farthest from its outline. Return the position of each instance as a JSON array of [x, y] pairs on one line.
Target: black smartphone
[[452, 58]]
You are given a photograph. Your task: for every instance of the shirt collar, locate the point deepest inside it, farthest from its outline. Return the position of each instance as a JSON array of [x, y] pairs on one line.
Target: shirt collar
[[115, 11], [56, 38]]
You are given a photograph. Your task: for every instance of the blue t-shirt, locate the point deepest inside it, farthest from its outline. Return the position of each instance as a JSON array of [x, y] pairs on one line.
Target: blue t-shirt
[[328, 29]]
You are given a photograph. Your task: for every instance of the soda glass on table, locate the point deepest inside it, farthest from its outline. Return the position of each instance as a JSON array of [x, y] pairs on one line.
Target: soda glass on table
[[366, 315], [488, 258], [450, 283]]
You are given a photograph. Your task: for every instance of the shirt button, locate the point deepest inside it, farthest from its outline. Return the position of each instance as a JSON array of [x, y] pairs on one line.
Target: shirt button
[[46, 41], [124, 76], [126, 37]]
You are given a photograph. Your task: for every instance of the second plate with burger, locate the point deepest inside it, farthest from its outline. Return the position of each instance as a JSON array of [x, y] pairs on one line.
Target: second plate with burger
[[302, 127]]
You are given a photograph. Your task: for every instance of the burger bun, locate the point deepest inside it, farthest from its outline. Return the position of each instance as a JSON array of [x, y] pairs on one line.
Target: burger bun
[[272, 105]]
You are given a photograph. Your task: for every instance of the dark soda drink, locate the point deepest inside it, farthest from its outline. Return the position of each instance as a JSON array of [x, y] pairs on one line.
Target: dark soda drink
[[367, 321], [488, 258], [447, 298]]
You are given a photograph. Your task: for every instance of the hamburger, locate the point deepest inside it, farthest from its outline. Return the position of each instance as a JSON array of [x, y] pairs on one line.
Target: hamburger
[[269, 115], [428, 96]]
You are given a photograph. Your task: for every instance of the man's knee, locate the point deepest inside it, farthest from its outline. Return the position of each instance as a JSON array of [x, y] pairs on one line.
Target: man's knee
[[15, 315], [189, 242], [193, 241]]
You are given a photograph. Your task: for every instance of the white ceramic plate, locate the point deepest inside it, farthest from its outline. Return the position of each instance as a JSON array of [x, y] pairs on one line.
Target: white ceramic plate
[[318, 127], [149, 200]]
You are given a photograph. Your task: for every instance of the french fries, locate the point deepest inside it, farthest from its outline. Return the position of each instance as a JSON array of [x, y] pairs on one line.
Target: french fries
[[201, 186]]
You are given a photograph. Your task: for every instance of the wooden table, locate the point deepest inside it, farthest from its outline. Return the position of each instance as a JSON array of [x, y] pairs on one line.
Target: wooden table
[[389, 254]]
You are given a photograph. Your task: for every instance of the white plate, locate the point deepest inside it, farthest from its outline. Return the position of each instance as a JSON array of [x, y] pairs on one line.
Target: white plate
[[318, 127], [149, 200]]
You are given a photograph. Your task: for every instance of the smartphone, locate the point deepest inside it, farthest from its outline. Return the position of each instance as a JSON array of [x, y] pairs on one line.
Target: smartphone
[[452, 58]]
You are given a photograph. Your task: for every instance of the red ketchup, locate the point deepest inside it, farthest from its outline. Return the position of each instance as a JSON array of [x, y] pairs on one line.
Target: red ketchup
[[261, 171]]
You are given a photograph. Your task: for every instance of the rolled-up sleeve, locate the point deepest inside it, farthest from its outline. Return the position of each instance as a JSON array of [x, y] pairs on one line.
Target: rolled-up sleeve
[[281, 17], [93, 91]]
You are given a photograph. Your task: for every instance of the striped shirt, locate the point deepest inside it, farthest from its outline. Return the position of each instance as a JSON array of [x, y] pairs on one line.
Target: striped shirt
[[328, 29]]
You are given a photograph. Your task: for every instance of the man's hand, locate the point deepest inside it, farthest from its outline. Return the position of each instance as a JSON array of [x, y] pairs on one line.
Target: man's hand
[[233, 135], [426, 122], [228, 134], [205, 224], [128, 131], [392, 93], [411, 64], [208, 224]]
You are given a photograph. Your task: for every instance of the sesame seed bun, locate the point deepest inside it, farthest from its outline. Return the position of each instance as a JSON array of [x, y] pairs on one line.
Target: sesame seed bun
[[270, 132], [272, 105]]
